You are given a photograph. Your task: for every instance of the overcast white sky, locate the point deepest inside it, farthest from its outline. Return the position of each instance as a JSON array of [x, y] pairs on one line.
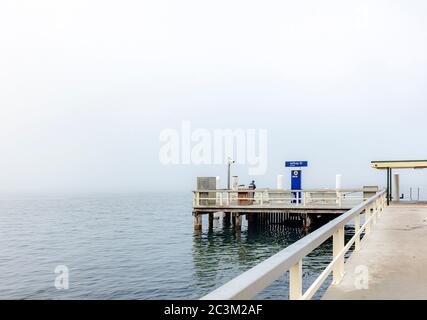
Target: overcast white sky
[[87, 86]]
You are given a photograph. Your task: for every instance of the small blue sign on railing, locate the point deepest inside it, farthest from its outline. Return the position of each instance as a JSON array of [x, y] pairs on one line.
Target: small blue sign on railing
[[298, 164]]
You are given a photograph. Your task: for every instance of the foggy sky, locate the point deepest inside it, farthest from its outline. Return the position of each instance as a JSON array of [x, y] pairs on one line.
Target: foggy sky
[[87, 87]]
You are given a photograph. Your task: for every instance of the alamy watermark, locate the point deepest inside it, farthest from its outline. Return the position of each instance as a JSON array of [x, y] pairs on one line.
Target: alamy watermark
[[361, 280], [203, 146], [62, 278]]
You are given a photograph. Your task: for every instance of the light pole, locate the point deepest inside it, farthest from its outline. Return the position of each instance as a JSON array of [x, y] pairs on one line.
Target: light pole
[[229, 163]]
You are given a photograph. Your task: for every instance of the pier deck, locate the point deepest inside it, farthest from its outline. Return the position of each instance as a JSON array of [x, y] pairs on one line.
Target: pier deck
[[263, 206], [319, 208], [395, 255]]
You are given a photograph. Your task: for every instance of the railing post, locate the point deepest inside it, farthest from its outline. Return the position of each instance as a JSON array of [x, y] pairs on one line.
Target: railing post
[[338, 246], [262, 198], [304, 199], [228, 198], [367, 217], [197, 198], [295, 281], [374, 209], [384, 202], [378, 207], [356, 230], [220, 198]]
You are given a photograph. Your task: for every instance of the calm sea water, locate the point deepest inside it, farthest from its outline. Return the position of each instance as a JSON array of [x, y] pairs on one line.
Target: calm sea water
[[131, 246]]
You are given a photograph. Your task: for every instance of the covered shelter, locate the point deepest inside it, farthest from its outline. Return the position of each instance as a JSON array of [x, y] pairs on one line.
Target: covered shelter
[[389, 165]]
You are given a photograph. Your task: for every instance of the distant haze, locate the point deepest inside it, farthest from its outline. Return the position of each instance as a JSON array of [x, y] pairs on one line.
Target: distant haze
[[88, 86]]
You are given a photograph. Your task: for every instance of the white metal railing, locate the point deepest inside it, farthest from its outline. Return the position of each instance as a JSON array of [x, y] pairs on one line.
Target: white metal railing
[[265, 197], [253, 281]]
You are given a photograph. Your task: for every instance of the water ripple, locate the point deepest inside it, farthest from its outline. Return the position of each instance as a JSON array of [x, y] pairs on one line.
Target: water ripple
[[130, 246]]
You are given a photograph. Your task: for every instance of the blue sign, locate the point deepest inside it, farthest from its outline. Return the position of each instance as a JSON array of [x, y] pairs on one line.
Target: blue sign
[[296, 184], [296, 179], [298, 164]]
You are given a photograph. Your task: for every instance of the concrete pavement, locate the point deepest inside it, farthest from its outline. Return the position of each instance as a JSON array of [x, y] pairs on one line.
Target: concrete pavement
[[393, 256]]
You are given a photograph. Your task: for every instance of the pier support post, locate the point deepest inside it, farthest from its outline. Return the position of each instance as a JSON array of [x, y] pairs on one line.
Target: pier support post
[[306, 221], [211, 219], [197, 221], [237, 220], [227, 218], [250, 217], [338, 246]]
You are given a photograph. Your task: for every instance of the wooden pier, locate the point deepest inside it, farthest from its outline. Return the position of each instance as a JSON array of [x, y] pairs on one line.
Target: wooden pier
[[275, 206]]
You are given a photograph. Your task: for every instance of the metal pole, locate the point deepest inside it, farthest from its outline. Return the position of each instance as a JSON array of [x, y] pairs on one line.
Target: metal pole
[[391, 184], [388, 186], [338, 186], [229, 175], [396, 187], [280, 184]]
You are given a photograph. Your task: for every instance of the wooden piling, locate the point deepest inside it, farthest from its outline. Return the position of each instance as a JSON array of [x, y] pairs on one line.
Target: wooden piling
[[251, 219], [197, 221], [306, 221], [227, 218], [211, 219], [237, 219]]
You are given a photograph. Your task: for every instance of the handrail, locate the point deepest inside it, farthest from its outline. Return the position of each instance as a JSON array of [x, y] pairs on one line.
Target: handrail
[[253, 281], [268, 197], [279, 190]]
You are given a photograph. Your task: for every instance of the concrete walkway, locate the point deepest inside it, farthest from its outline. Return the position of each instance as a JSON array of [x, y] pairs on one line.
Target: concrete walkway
[[395, 254]]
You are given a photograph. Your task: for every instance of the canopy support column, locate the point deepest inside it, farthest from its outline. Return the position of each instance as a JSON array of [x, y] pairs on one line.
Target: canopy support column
[[389, 185]]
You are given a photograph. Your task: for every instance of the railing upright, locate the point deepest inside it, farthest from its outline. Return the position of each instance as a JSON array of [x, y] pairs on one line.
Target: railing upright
[[295, 281], [368, 218], [356, 232], [338, 246]]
